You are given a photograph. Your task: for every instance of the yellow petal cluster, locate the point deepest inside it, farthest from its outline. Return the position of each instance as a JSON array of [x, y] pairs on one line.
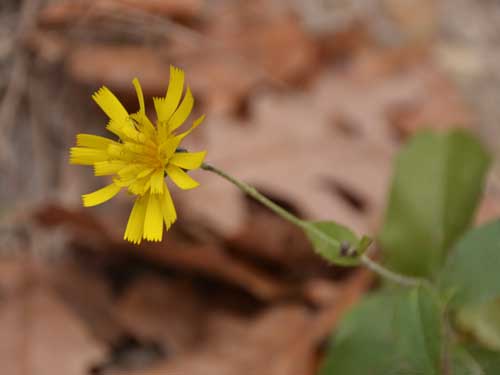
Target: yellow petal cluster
[[142, 155]]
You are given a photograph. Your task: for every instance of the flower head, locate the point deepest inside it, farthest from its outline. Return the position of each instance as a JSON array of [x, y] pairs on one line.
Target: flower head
[[142, 156]]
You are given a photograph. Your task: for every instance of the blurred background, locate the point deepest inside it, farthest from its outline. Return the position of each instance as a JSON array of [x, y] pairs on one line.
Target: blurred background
[[307, 100]]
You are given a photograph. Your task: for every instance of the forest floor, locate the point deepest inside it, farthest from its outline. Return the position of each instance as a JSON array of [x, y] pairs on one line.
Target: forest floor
[[310, 103]]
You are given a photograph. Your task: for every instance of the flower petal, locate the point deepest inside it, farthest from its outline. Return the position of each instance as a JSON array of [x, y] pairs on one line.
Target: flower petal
[[115, 128], [145, 172], [183, 112], [110, 104], [130, 171], [87, 156], [135, 224], [143, 123], [108, 167], [139, 186], [153, 222], [157, 182], [166, 106], [196, 123], [188, 160], [140, 95], [169, 146], [118, 151], [181, 178], [93, 141], [132, 133], [168, 208], [101, 195]]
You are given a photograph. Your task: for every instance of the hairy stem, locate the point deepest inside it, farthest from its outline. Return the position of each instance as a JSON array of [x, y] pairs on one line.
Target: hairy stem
[[253, 192], [391, 275], [365, 260]]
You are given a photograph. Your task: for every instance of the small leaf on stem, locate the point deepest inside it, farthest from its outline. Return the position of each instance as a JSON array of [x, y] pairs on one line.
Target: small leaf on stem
[[336, 243]]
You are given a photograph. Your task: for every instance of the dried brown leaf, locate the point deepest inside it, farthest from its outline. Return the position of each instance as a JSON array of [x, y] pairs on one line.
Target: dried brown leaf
[[167, 312], [210, 260], [67, 13], [42, 336]]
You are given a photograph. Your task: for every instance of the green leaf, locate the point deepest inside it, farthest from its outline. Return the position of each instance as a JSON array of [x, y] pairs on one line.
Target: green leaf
[[489, 361], [482, 322], [394, 332], [418, 331], [336, 243], [472, 272], [435, 190], [363, 341], [475, 360]]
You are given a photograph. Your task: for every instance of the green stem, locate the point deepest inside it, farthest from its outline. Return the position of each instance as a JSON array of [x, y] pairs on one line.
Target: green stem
[[250, 190], [391, 275], [365, 260]]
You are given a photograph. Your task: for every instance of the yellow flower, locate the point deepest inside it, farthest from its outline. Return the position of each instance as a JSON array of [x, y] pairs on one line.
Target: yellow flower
[[142, 156]]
